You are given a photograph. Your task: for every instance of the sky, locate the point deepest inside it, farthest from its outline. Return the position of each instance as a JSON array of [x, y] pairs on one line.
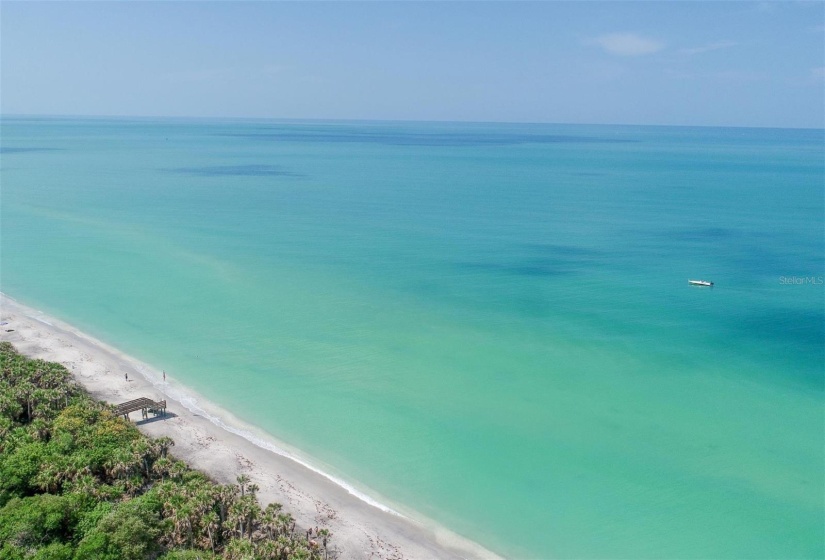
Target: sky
[[662, 63]]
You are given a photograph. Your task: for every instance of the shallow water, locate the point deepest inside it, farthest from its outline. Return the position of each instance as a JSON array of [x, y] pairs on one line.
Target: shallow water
[[487, 324]]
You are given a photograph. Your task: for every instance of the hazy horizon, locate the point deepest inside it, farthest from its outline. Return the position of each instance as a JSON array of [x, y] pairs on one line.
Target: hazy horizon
[[298, 120], [733, 64]]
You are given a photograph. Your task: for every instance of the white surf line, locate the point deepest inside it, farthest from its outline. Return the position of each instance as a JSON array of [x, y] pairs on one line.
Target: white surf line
[[189, 402]]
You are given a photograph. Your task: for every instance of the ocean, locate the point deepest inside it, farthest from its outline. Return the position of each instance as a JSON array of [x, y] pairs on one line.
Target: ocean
[[487, 326]]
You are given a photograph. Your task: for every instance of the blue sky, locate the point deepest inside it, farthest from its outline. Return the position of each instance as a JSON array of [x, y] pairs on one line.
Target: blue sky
[[684, 63]]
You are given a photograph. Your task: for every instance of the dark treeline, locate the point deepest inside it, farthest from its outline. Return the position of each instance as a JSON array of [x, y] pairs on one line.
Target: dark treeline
[[78, 483]]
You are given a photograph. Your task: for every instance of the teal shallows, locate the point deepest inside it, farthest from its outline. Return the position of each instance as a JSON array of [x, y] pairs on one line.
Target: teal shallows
[[487, 324]]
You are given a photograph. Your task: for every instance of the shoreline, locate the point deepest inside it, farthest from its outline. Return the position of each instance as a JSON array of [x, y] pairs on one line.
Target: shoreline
[[211, 440]]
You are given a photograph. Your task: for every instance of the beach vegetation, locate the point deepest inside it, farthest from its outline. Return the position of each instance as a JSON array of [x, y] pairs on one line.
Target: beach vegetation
[[78, 482]]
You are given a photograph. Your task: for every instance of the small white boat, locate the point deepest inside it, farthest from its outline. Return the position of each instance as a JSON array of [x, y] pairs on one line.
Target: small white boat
[[700, 283]]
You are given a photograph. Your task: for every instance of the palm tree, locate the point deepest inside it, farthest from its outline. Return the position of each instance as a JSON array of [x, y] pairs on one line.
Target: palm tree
[[186, 512], [253, 513], [10, 406], [236, 518], [269, 519], [283, 546], [243, 514], [144, 453], [39, 427], [133, 484], [63, 391], [24, 392], [6, 426], [180, 515], [50, 477], [239, 549], [201, 495], [161, 467], [120, 464], [325, 535], [85, 484], [212, 524], [267, 550], [226, 495], [285, 523], [164, 443], [243, 480], [178, 469]]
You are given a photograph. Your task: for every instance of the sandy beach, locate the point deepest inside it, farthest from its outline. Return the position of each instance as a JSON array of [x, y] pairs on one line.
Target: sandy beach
[[361, 529]]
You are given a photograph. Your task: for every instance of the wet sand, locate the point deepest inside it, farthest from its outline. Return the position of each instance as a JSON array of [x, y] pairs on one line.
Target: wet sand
[[360, 529]]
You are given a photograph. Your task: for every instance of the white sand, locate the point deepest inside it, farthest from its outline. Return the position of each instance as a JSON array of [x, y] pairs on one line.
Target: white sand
[[361, 530]]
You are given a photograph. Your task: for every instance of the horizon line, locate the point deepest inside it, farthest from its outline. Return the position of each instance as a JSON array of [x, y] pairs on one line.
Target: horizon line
[[375, 120]]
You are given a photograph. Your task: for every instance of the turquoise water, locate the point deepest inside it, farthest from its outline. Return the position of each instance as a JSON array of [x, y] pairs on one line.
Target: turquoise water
[[486, 324]]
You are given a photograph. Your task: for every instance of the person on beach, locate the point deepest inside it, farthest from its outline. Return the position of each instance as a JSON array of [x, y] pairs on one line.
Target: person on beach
[[126, 375], [164, 376]]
